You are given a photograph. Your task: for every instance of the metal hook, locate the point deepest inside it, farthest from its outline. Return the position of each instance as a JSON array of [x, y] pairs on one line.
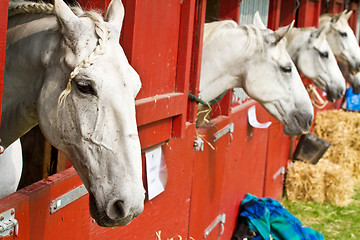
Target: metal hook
[[222, 228], [231, 138]]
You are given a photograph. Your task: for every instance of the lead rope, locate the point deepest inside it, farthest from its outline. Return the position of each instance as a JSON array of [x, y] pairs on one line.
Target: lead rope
[[204, 113], [315, 97]]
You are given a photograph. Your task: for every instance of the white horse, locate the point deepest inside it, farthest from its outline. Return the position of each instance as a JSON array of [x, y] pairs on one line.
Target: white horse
[[11, 168], [255, 58], [344, 45], [312, 55], [66, 71]]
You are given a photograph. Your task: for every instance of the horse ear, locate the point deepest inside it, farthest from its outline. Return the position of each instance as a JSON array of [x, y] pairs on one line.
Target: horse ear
[[64, 14], [336, 17], [348, 15], [115, 14], [258, 22], [281, 32]]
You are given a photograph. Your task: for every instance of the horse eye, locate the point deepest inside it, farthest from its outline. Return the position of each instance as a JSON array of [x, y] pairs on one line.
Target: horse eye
[[324, 54], [286, 69], [85, 87], [343, 34]]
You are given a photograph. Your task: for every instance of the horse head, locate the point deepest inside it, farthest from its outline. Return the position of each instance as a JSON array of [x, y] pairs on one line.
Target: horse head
[[272, 80], [313, 57], [93, 120], [342, 40]]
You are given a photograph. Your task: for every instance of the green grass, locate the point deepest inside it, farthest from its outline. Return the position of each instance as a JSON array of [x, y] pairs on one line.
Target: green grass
[[332, 221]]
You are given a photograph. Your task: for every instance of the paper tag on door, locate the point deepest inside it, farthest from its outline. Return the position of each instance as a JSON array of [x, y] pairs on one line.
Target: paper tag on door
[[156, 172]]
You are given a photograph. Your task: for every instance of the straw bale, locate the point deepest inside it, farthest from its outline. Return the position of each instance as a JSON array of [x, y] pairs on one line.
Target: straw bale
[[339, 184], [334, 177], [304, 182]]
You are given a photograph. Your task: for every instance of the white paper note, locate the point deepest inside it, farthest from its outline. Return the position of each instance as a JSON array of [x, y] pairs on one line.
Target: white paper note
[[253, 121], [156, 172]]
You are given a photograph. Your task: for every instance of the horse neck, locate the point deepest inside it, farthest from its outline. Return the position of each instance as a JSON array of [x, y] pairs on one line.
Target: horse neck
[[29, 48], [224, 61]]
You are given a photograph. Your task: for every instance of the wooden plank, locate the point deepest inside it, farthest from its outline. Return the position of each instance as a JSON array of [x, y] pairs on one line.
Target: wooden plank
[[159, 107], [228, 10], [3, 26], [274, 14], [309, 13], [200, 10], [183, 72], [287, 13]]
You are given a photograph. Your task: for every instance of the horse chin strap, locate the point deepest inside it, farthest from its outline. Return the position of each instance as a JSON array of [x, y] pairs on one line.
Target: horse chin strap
[[315, 97]]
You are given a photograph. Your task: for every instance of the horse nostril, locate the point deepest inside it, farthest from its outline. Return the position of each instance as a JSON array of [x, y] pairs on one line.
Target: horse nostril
[[117, 210]]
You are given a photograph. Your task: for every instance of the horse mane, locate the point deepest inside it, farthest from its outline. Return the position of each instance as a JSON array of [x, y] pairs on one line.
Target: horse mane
[[210, 29], [17, 7], [255, 39]]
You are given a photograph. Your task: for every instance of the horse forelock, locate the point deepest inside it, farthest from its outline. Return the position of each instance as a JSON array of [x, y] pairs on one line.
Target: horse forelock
[[101, 30], [255, 41]]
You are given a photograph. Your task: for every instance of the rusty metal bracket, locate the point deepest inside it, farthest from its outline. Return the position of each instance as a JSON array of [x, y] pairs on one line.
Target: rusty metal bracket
[[198, 144]]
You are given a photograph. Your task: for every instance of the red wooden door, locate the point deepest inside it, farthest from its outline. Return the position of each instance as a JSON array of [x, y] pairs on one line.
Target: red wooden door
[[245, 168], [157, 39], [277, 158], [208, 178]]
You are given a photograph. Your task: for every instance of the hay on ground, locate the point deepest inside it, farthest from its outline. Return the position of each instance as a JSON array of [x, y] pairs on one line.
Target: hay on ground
[[334, 177]]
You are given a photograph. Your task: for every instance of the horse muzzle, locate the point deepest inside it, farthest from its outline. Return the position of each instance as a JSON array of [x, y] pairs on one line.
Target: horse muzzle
[[298, 124], [335, 94], [116, 212]]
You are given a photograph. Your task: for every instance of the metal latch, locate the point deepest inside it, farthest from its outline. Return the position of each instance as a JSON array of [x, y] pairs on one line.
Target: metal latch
[[228, 129], [280, 171], [198, 144], [8, 224], [67, 198], [220, 219]]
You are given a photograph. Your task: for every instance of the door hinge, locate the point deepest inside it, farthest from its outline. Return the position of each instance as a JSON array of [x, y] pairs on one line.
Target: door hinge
[[8, 224]]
